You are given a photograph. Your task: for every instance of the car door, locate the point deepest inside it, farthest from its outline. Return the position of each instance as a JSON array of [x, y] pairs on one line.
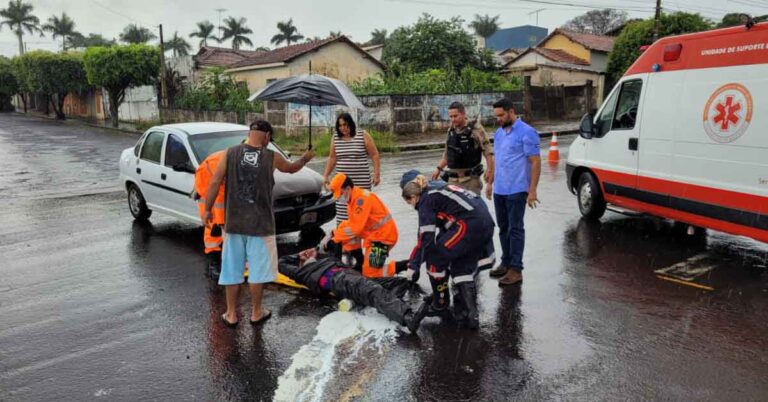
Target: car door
[[148, 168], [614, 149], [178, 177]]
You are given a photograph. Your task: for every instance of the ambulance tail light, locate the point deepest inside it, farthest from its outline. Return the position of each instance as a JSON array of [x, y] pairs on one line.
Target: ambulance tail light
[[672, 52]]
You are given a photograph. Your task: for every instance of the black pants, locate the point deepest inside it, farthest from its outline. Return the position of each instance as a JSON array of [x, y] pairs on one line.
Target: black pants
[[382, 295]]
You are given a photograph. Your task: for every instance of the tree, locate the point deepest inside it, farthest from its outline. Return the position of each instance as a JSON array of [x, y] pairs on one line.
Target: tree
[[432, 44], [378, 37], [485, 25], [204, 32], [288, 33], [62, 27], [334, 34], [134, 34], [78, 41], [56, 75], [20, 73], [178, 45], [121, 67], [262, 49], [236, 30], [734, 19], [597, 21], [626, 48], [18, 17], [8, 84]]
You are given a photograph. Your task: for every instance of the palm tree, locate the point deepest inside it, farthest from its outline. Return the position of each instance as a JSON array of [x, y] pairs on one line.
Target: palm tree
[[18, 17], [335, 34], [178, 45], [485, 25], [77, 41], [236, 30], [136, 34], [262, 49], [63, 27], [288, 33], [204, 32], [378, 37]]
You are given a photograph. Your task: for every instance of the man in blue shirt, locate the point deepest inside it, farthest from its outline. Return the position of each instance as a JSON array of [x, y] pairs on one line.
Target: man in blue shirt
[[518, 167]]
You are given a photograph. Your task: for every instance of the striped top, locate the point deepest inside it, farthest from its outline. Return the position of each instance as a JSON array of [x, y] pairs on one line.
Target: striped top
[[353, 160]]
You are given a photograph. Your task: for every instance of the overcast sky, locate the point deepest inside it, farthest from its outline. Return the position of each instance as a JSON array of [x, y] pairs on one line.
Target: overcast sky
[[355, 18]]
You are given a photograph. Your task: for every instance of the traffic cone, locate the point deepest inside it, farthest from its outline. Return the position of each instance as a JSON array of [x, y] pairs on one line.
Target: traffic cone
[[554, 153]]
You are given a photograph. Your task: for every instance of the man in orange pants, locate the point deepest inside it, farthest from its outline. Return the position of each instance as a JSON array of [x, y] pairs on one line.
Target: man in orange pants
[[369, 222], [212, 234]]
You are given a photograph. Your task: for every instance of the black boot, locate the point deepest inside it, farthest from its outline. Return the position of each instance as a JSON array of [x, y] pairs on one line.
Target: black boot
[[413, 317], [460, 312], [468, 292], [214, 264], [440, 297]]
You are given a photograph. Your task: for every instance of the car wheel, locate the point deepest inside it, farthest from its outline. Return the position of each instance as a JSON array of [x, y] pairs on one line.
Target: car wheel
[[590, 196], [137, 205]]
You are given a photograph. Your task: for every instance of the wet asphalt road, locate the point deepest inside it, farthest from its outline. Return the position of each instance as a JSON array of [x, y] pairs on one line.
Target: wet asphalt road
[[96, 307]]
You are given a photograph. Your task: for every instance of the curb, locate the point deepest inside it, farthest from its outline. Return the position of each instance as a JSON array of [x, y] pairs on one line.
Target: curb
[[74, 120], [439, 145]]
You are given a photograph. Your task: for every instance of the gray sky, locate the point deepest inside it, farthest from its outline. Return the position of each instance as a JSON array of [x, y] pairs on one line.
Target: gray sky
[[355, 18]]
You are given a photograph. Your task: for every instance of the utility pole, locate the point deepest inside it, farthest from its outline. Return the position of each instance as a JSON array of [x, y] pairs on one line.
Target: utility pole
[[163, 89], [220, 10], [537, 14], [656, 21]]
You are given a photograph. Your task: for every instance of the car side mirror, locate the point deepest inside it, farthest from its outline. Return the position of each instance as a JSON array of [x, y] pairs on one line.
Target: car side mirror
[[184, 167], [587, 127]]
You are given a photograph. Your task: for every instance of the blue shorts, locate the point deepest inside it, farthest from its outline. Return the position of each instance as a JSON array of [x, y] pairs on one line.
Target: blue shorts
[[259, 252]]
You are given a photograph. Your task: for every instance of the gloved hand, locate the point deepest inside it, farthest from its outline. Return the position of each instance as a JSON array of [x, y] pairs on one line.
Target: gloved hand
[[412, 274], [324, 243]]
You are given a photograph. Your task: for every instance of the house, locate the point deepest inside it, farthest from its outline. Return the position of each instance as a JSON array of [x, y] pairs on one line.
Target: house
[[376, 51], [210, 56], [508, 54], [592, 48], [565, 58], [335, 57], [518, 37]]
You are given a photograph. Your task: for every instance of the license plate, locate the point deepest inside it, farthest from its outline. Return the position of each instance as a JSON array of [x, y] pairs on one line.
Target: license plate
[[309, 217]]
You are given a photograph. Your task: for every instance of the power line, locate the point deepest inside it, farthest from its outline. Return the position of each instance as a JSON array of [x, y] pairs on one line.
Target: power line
[[118, 14]]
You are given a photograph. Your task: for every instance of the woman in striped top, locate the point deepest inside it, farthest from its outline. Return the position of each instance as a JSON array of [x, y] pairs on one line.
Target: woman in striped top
[[352, 152]]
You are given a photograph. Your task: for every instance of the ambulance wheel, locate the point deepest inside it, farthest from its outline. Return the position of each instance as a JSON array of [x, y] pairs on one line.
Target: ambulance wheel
[[590, 196], [137, 205]]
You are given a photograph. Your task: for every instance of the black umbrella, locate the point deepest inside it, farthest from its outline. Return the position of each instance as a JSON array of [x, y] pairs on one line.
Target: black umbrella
[[309, 89]]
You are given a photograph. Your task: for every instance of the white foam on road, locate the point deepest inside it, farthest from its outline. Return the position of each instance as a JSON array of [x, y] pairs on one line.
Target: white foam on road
[[312, 367]]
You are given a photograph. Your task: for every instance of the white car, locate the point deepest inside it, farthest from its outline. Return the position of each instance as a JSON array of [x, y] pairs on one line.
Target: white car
[[158, 174]]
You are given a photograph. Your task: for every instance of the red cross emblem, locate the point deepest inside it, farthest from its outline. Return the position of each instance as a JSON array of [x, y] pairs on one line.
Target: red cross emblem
[[728, 113]]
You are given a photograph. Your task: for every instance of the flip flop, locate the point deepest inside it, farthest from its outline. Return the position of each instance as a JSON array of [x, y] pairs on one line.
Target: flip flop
[[227, 323], [265, 315]]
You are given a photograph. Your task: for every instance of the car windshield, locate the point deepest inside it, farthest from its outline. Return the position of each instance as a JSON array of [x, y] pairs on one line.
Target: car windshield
[[206, 144]]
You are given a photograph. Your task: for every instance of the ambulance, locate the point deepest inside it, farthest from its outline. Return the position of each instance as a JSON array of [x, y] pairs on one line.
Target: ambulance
[[683, 135]]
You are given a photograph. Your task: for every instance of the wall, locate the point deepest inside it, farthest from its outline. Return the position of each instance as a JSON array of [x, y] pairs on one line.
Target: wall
[[257, 78], [185, 116], [140, 104], [337, 60], [556, 76], [89, 105], [562, 42], [599, 61]]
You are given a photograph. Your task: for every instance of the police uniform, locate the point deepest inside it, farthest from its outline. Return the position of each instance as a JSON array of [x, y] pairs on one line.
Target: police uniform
[[464, 150], [466, 228]]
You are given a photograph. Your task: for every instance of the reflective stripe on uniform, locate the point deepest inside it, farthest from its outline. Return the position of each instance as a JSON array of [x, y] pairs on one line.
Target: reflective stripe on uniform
[[348, 232], [212, 245], [427, 228], [436, 275], [486, 261], [383, 221], [455, 198], [463, 278]]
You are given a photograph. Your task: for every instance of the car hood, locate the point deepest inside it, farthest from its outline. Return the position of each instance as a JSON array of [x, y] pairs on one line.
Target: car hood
[[305, 181]]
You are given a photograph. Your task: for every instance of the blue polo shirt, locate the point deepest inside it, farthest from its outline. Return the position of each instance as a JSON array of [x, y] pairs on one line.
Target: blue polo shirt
[[512, 148]]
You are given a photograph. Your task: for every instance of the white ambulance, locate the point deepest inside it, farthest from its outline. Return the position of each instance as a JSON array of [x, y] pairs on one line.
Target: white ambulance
[[683, 135]]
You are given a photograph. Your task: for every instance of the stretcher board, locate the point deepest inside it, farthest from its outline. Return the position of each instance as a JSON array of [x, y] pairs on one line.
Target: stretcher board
[[283, 280]]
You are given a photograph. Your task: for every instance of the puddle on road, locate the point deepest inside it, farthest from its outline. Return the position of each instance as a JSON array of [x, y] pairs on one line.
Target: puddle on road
[[343, 355]]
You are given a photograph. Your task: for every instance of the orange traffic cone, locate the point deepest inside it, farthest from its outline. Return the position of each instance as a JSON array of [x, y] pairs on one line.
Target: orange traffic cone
[[554, 153]]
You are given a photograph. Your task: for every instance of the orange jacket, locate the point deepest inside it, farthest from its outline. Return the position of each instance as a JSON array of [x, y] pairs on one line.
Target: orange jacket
[[203, 177], [369, 220]]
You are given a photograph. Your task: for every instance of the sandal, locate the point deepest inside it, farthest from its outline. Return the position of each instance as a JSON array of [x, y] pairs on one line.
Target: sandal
[[227, 323], [265, 315]]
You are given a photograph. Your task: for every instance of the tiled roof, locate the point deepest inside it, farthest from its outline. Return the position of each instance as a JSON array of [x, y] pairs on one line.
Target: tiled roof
[[600, 43], [221, 56], [556, 55], [288, 53]]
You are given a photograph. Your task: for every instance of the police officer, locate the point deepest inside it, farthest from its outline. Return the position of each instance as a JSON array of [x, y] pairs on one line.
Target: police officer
[[454, 227], [464, 149]]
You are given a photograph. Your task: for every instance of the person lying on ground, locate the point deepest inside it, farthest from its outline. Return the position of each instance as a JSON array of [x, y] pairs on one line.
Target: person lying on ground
[[324, 274]]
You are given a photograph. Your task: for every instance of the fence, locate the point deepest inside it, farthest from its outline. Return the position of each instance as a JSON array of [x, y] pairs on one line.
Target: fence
[[412, 114]]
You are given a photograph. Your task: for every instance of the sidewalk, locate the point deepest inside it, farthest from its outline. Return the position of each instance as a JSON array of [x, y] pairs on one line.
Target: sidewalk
[[420, 142], [124, 127]]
